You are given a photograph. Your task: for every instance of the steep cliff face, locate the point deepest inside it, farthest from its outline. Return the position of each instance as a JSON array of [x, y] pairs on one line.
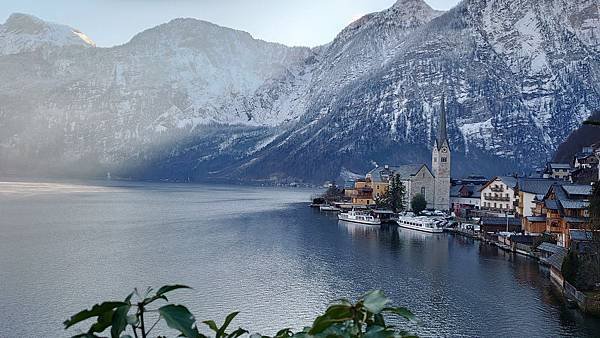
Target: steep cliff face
[[192, 99], [517, 76]]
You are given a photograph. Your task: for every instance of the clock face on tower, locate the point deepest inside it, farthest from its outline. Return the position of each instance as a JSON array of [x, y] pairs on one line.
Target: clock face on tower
[[444, 150]]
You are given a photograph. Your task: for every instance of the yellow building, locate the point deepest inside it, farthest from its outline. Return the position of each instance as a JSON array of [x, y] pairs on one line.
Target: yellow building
[[362, 194]]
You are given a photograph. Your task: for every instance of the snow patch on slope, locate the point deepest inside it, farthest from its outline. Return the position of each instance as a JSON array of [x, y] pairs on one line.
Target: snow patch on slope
[[25, 33]]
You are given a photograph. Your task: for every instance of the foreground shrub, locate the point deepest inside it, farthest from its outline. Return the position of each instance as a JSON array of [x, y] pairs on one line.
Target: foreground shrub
[[365, 318]]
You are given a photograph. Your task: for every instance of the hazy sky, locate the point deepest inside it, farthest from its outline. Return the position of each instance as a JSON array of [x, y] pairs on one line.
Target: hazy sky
[[292, 22]]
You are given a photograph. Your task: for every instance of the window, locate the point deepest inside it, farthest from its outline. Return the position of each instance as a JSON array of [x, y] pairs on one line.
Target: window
[[444, 159], [423, 191], [435, 159]]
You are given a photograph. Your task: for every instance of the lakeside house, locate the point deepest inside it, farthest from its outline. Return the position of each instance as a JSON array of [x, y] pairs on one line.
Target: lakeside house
[[498, 195], [465, 198], [433, 184], [527, 191], [562, 208]]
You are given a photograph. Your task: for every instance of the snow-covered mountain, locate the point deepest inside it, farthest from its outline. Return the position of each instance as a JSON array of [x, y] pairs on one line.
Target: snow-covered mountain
[[26, 33], [518, 77], [192, 99]]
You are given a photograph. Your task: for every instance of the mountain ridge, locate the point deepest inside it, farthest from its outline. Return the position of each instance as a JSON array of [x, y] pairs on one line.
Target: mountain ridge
[[187, 109]]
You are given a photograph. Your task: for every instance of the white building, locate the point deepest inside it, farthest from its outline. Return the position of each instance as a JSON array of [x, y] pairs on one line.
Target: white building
[[527, 190], [499, 194]]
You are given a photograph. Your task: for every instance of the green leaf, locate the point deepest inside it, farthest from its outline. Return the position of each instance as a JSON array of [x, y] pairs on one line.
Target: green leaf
[[237, 333], [379, 332], [339, 312], [119, 321], [284, 333], [228, 319], [211, 323], [104, 321], [169, 288], [400, 311], [379, 320], [375, 301], [324, 322], [95, 311], [178, 317], [128, 298]]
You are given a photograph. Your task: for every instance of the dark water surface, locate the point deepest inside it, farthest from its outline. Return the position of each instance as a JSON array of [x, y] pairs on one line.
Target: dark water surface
[[262, 251]]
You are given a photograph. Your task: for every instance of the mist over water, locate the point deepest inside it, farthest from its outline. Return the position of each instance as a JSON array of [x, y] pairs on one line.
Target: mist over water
[[262, 251]]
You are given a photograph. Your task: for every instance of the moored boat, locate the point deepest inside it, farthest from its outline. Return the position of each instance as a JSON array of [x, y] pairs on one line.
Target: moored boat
[[424, 224], [359, 217], [329, 208]]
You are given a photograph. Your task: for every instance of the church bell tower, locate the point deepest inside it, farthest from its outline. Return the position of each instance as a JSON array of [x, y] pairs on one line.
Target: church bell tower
[[440, 163]]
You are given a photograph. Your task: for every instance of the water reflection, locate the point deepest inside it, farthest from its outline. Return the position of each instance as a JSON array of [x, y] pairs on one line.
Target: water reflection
[[357, 230], [258, 251]]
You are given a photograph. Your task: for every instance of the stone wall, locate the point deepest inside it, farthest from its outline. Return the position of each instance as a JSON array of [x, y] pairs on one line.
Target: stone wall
[[423, 179]]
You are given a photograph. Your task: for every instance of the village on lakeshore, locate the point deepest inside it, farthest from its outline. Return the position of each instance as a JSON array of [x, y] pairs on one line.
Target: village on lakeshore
[[545, 216]]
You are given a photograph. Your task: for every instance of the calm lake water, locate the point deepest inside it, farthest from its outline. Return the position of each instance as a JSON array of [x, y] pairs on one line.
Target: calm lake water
[[262, 251]]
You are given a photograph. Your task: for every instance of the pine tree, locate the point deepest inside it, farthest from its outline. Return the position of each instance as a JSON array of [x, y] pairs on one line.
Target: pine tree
[[397, 194], [418, 203], [394, 197]]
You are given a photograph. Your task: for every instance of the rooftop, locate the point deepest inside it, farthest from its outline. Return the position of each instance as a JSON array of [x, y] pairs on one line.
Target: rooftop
[[500, 221], [382, 174], [536, 218], [557, 258], [584, 190], [559, 165], [549, 247], [580, 235], [536, 186]]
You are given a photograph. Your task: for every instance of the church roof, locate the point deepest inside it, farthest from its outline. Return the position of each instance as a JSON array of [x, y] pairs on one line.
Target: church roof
[[383, 174]]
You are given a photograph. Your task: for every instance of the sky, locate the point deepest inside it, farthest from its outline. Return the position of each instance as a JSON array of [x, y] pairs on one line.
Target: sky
[[291, 22]]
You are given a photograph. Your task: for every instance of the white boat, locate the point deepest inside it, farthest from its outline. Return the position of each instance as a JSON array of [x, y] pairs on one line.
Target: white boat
[[421, 224], [359, 217], [329, 208]]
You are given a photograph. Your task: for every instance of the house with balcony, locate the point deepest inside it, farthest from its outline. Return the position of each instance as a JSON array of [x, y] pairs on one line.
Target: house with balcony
[[558, 171], [361, 194], [563, 208], [498, 195]]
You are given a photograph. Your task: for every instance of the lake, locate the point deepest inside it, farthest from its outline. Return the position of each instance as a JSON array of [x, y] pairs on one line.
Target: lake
[[262, 251]]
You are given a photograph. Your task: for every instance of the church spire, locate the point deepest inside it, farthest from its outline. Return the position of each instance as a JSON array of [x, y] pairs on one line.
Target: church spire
[[442, 134]]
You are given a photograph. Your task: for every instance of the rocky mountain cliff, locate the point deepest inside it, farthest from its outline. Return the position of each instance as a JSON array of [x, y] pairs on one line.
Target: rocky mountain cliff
[[189, 99]]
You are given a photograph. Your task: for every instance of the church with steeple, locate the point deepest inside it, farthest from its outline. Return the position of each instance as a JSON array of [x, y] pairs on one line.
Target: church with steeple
[[432, 182], [440, 163]]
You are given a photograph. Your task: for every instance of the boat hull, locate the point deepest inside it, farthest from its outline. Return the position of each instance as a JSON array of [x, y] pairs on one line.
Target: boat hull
[[418, 228], [344, 218]]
